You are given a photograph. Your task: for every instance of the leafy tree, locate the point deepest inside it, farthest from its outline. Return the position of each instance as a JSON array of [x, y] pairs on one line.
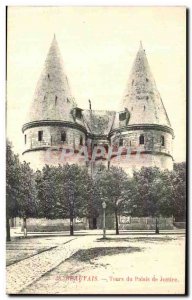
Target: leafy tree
[[63, 192], [113, 185], [179, 191], [74, 192], [151, 194], [12, 186], [93, 199], [27, 194], [47, 192]]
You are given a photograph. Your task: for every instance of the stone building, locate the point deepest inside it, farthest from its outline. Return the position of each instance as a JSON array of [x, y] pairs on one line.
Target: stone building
[[57, 130]]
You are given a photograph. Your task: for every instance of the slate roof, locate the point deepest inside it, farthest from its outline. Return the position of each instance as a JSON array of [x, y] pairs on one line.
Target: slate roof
[[141, 97], [98, 122], [52, 99]]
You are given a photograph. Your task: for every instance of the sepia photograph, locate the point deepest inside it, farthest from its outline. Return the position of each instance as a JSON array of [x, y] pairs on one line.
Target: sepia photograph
[[96, 150]]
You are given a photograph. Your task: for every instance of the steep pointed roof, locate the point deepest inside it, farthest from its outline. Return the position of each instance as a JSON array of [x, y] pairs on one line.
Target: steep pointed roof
[[142, 98], [52, 99]]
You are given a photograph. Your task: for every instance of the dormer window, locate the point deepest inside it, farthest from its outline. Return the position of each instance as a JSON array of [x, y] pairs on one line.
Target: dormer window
[[40, 135], [120, 142], [122, 116], [141, 139], [162, 141], [63, 137], [78, 113]]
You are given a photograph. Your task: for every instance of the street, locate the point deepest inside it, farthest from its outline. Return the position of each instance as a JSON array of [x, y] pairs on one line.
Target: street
[[135, 262]]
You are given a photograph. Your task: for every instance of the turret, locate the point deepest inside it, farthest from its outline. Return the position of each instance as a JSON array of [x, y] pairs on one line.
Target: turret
[[51, 123], [148, 133]]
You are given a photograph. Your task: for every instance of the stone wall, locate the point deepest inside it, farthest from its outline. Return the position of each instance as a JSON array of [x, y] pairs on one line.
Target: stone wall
[[50, 149], [156, 154], [125, 223], [145, 223], [152, 140]]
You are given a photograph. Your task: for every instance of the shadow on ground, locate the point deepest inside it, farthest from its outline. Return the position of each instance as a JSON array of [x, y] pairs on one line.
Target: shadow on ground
[[92, 253], [146, 239]]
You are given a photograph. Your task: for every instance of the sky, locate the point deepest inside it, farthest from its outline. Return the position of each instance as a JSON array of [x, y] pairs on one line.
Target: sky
[[98, 46]]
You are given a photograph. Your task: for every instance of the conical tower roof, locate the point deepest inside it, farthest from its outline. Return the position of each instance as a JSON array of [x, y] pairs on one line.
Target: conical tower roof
[[52, 99], [142, 98]]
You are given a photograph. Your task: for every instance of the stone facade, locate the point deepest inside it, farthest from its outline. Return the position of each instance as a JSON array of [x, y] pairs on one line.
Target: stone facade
[[140, 131], [138, 135]]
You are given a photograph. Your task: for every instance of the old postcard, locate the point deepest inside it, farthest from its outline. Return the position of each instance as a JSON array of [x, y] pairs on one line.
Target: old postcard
[[96, 150]]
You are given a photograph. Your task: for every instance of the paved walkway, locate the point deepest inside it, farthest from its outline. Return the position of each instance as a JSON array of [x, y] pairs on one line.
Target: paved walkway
[[23, 273]]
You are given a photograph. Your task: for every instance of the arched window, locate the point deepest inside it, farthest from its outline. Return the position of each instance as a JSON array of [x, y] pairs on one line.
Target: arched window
[[141, 139], [63, 136], [162, 141], [81, 140], [120, 142]]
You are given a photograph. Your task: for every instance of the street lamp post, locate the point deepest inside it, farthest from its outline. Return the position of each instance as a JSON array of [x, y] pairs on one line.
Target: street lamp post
[[104, 229]]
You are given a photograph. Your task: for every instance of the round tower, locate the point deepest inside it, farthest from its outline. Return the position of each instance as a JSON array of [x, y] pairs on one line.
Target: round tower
[[142, 129], [51, 132]]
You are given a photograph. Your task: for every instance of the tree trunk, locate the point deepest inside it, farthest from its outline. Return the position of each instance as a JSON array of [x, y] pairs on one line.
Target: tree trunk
[[116, 222], [25, 227], [156, 226], [8, 230], [71, 226]]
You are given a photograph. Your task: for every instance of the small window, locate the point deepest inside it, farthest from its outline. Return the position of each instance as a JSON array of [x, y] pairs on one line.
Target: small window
[[55, 100], [48, 76], [120, 142], [132, 82], [40, 135], [162, 141], [122, 116], [141, 139], [144, 107], [25, 139], [147, 79], [81, 141], [63, 136], [78, 113], [147, 97]]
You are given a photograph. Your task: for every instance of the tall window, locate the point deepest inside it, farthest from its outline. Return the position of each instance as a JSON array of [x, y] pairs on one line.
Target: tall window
[[81, 140], [63, 136], [141, 139], [55, 100], [120, 142], [162, 141], [25, 139], [40, 135]]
